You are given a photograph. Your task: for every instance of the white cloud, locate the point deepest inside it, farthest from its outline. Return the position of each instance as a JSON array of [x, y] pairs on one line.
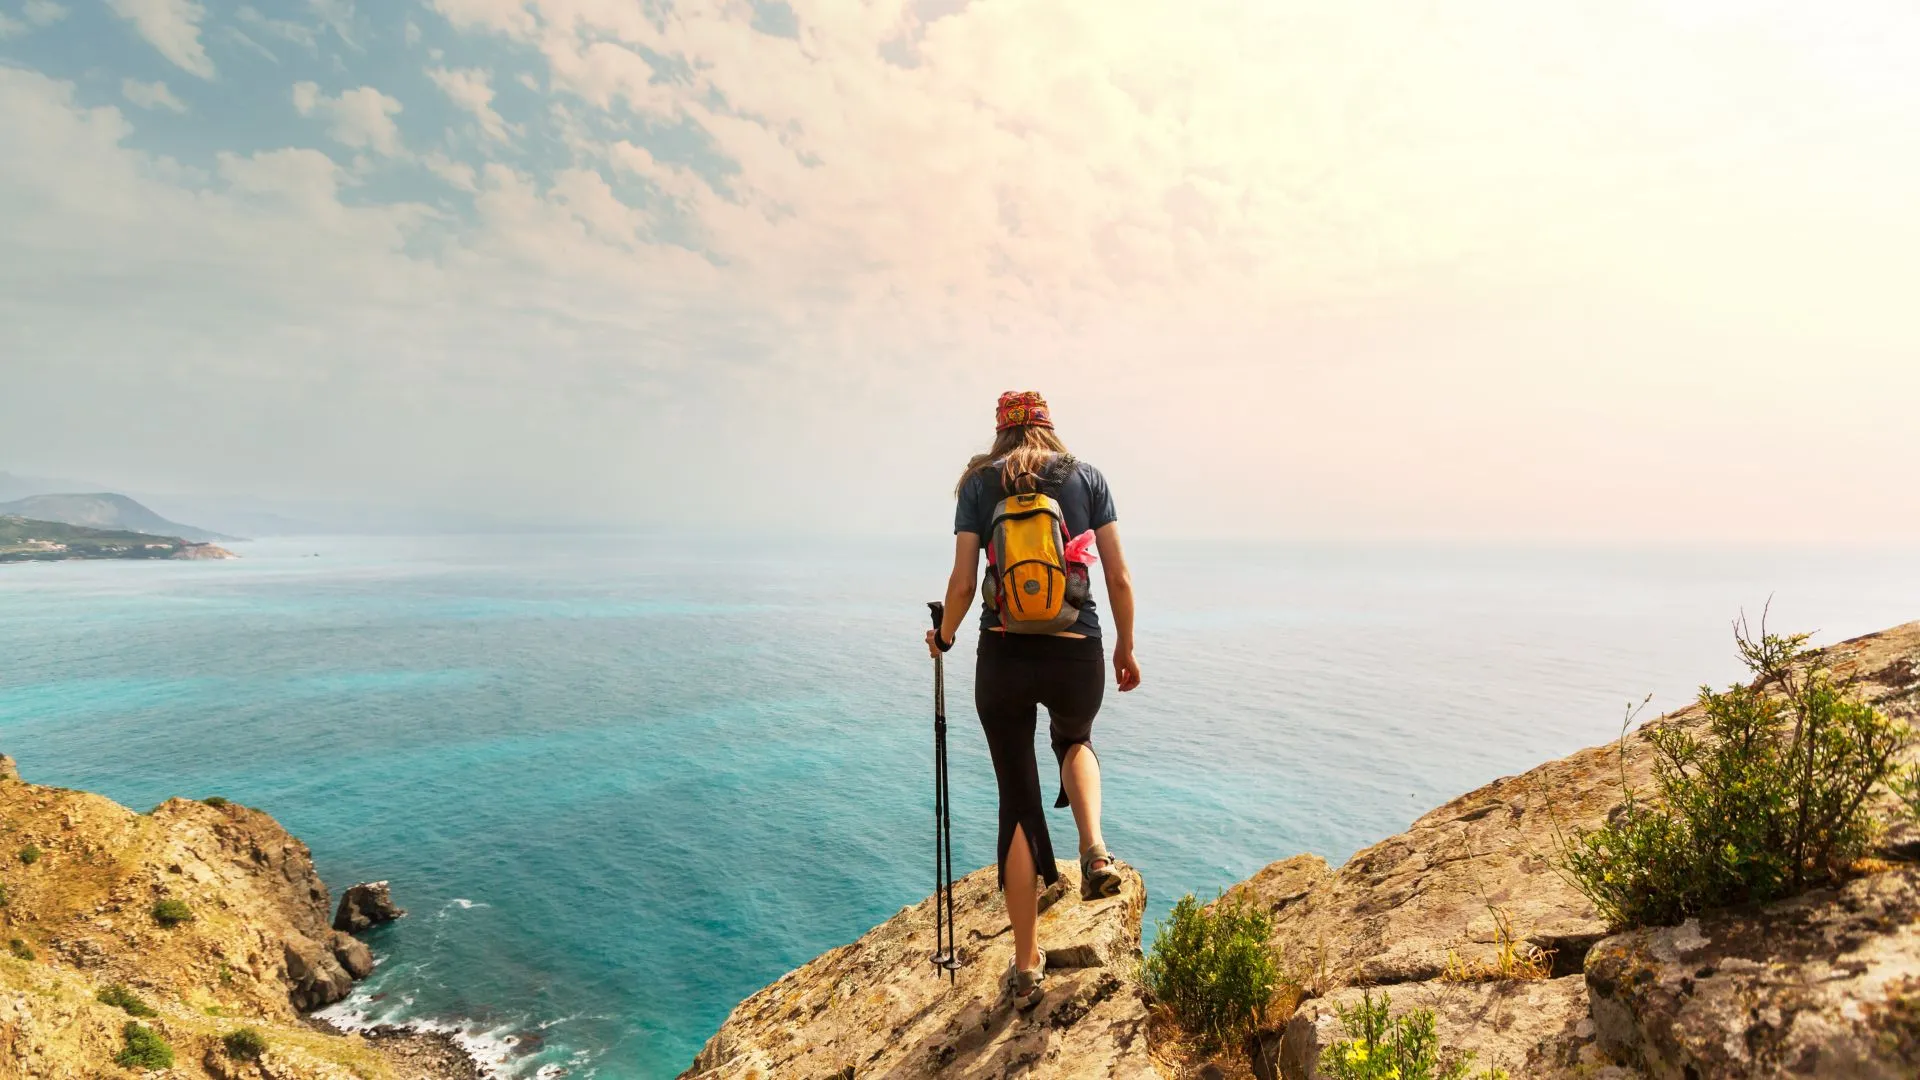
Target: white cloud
[[412, 33], [284, 29], [470, 89], [153, 95], [360, 118], [172, 27], [1382, 250], [457, 173], [33, 15]]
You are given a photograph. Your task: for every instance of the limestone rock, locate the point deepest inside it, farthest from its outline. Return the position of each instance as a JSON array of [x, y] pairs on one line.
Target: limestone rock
[[1280, 884], [317, 977], [8, 769], [875, 1008], [257, 952], [365, 906], [1824, 984], [353, 955], [1396, 909], [1534, 1030]]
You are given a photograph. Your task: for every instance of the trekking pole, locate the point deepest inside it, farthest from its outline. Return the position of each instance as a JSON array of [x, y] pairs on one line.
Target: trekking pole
[[945, 956]]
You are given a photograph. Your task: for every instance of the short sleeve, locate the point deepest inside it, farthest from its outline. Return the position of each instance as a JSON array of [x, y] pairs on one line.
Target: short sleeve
[[1100, 509], [966, 510]]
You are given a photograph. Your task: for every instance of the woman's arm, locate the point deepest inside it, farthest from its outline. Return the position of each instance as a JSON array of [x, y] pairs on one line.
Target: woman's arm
[[960, 588], [1126, 670]]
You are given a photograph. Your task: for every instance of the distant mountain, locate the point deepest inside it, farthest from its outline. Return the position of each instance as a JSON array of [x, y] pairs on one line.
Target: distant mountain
[[105, 511], [14, 486]]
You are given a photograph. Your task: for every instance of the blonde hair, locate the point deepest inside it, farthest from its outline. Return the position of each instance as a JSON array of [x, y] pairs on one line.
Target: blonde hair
[[1023, 452]]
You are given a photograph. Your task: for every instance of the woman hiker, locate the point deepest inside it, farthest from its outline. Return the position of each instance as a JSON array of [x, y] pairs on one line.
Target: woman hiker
[[1036, 509]]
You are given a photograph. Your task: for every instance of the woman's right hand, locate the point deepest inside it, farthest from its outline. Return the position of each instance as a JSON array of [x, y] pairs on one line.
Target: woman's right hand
[[933, 644]]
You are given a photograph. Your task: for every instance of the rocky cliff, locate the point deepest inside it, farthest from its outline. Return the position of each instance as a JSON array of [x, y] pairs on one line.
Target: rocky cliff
[[876, 1008], [1827, 984], [210, 915]]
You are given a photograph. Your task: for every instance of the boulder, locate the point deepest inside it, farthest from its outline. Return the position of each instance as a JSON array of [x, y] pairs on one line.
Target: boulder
[[1824, 984], [314, 976], [877, 1008], [1538, 1030], [1280, 884], [8, 769], [365, 906], [353, 954]]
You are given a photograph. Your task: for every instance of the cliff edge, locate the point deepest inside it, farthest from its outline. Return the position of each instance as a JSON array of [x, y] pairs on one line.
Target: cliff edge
[[209, 918], [877, 1008], [1824, 984]]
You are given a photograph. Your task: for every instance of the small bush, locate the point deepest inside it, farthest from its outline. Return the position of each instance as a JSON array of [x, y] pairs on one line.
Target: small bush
[[245, 1044], [3, 895], [145, 1049], [1214, 969], [29, 854], [171, 912], [20, 949], [214, 801], [1379, 1047], [118, 996], [1776, 799]]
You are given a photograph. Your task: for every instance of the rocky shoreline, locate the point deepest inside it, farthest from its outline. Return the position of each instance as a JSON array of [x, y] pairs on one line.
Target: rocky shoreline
[[200, 919], [414, 1054]]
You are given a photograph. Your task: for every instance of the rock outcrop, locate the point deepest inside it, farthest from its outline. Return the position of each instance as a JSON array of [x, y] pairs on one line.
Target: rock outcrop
[[365, 906], [1825, 984], [1397, 911], [252, 948], [876, 1008]]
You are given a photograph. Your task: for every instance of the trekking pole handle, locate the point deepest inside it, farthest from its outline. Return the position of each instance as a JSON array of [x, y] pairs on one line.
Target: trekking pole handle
[[939, 610]]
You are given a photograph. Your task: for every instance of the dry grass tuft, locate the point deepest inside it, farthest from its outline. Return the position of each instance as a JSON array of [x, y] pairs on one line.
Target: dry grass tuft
[[1515, 960]]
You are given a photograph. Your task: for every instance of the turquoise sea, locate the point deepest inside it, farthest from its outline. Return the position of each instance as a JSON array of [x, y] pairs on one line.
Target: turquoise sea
[[621, 783]]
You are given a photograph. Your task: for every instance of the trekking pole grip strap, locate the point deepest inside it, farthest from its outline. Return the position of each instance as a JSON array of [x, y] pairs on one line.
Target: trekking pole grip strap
[[939, 610]]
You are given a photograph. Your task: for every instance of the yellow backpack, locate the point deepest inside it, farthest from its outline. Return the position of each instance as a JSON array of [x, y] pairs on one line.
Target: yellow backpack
[[1030, 583]]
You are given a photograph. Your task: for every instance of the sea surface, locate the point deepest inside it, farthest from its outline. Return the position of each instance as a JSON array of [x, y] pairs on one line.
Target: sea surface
[[622, 782]]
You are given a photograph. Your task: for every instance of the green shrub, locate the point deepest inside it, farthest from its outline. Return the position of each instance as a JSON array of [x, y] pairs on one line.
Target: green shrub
[[215, 801], [1775, 799], [1213, 968], [29, 854], [171, 912], [245, 1044], [118, 996], [1379, 1047], [145, 1049], [3, 895], [20, 949]]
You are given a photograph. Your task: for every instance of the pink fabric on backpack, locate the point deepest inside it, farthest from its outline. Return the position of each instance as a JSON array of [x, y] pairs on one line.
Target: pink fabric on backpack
[[1080, 549]]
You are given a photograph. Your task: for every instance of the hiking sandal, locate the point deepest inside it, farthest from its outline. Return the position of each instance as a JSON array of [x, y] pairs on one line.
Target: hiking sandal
[[1100, 883], [1024, 986]]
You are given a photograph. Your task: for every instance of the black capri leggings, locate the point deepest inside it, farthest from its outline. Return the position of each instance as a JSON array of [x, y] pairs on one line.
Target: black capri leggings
[[1016, 673]]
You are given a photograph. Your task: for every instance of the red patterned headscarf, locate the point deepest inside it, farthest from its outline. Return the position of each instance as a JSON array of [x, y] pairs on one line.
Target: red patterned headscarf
[[1021, 408]]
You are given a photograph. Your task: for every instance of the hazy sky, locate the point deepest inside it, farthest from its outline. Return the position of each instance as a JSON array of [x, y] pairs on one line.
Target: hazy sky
[[1515, 269]]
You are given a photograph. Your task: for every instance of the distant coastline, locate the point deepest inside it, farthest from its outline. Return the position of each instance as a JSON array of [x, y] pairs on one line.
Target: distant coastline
[[28, 540]]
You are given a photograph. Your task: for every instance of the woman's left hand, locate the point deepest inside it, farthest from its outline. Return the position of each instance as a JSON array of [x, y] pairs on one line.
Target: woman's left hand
[[1126, 670]]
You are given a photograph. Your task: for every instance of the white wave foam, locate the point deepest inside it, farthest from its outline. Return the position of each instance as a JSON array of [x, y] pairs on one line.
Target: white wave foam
[[492, 1050]]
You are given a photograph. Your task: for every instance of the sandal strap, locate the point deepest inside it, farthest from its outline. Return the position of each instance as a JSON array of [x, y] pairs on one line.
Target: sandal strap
[[1094, 854]]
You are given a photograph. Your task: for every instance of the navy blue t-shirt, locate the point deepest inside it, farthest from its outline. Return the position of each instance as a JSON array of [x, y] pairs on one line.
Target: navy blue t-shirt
[[1084, 499]]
